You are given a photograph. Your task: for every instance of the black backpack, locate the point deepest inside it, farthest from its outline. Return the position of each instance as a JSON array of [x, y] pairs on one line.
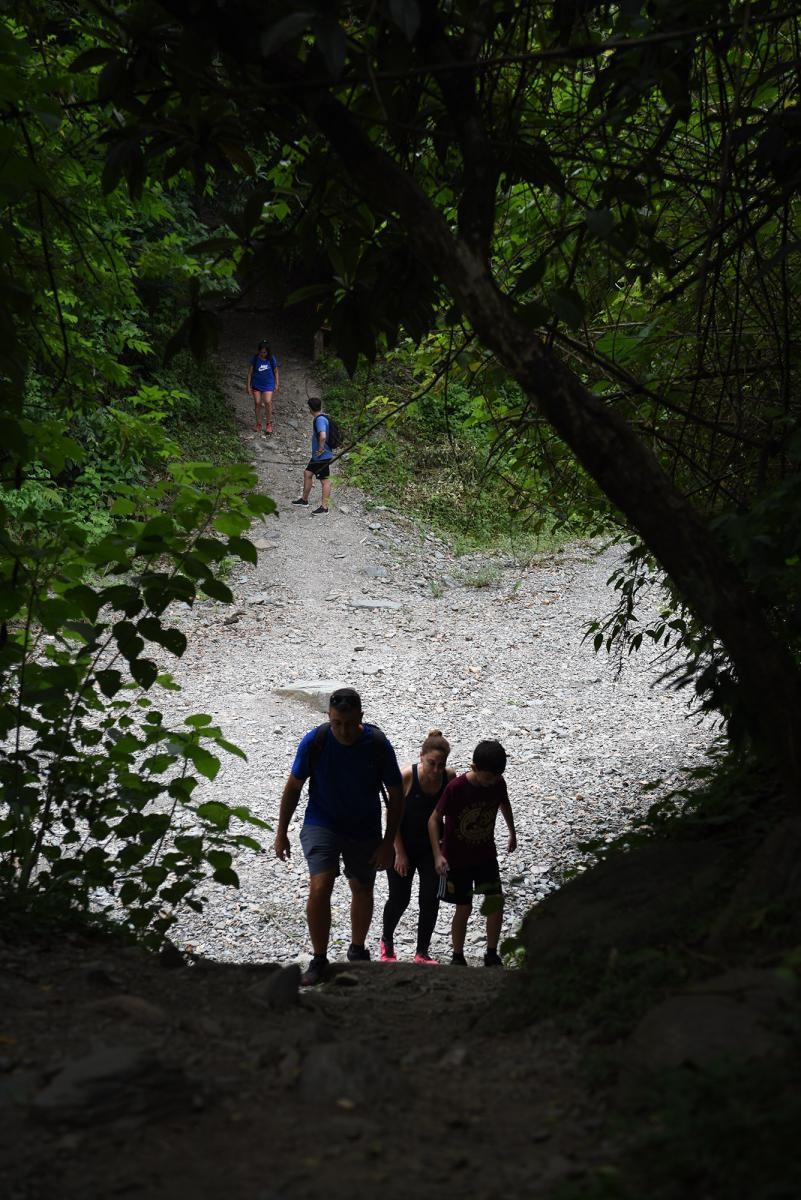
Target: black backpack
[[378, 743], [335, 435]]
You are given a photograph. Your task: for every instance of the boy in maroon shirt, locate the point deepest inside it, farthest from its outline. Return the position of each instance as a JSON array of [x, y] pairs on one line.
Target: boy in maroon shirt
[[465, 856]]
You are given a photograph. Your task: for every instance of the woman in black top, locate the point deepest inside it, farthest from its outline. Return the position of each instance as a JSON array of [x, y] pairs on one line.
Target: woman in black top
[[423, 784]]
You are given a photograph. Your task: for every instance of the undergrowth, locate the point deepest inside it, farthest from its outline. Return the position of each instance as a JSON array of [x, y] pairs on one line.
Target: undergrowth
[[435, 461]]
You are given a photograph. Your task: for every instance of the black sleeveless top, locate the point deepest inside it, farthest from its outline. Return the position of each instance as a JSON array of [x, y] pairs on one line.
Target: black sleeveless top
[[418, 807]]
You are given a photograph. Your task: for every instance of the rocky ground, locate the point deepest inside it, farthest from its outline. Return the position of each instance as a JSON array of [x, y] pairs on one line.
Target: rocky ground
[[477, 646], [121, 1074]]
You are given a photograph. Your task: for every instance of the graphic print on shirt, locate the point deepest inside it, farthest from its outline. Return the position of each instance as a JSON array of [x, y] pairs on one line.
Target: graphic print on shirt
[[476, 824]]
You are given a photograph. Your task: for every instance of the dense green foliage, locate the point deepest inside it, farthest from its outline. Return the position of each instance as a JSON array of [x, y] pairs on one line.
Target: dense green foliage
[[440, 457], [106, 520]]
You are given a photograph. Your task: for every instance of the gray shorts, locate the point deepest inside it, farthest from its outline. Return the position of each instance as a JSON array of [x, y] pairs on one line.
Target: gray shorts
[[323, 849]]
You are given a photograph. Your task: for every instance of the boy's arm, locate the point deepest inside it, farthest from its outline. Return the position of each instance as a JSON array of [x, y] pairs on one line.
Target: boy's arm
[[506, 812], [434, 829]]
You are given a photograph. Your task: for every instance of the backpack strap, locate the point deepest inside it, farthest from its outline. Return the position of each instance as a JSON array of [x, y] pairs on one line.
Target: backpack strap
[[316, 748], [380, 745]]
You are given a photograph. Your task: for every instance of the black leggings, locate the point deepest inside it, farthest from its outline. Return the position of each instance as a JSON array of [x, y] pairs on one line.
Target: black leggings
[[400, 893]]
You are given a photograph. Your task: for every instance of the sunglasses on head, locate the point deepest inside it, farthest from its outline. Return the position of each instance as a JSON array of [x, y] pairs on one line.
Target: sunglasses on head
[[346, 698]]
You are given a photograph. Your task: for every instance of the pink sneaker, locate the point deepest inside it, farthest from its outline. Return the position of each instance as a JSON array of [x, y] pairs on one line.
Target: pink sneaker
[[387, 952], [427, 959]]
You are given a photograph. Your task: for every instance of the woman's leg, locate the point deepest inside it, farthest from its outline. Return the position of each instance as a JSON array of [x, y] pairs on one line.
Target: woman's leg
[[267, 400], [400, 893], [255, 393], [428, 902]]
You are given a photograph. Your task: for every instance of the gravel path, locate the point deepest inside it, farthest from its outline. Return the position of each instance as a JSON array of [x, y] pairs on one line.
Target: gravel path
[[366, 598]]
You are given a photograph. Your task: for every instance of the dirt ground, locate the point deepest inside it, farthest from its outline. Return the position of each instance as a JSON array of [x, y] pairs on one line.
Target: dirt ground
[[122, 1075]]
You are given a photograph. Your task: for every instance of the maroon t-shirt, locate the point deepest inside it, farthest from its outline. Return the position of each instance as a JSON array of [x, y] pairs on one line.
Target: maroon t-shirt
[[469, 813]]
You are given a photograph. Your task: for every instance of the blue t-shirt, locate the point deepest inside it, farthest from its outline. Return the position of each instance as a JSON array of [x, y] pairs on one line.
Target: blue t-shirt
[[262, 377], [344, 794], [325, 428]]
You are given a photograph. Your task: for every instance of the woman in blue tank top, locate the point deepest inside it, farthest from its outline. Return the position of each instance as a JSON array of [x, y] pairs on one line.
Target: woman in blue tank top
[[423, 784], [262, 381]]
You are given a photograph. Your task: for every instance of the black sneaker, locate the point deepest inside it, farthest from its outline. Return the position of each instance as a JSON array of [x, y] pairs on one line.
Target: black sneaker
[[305, 503], [315, 971], [458, 959], [493, 959], [358, 953], [319, 510]]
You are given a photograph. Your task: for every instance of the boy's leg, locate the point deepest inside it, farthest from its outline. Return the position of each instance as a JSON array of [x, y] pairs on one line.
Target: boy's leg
[[494, 923], [461, 916]]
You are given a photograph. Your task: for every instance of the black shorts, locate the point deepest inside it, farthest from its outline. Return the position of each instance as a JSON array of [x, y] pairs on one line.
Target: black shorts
[[460, 885], [320, 470]]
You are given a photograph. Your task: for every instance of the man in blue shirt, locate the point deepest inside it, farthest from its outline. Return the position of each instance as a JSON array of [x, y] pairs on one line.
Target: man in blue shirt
[[346, 767], [319, 465]]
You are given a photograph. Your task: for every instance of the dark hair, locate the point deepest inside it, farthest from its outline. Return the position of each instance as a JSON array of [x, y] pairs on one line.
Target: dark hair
[[490, 756], [345, 698], [314, 403], [264, 346], [435, 741]]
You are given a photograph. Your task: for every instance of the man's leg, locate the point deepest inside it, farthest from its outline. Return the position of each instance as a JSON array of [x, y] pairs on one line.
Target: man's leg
[[361, 910], [326, 485], [318, 910], [308, 483]]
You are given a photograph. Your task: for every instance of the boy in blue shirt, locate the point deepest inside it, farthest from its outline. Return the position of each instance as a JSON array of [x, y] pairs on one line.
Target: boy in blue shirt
[[319, 465], [346, 766]]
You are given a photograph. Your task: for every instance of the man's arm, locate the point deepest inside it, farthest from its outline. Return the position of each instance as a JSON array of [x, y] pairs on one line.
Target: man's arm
[[385, 854], [505, 809], [320, 439], [289, 802]]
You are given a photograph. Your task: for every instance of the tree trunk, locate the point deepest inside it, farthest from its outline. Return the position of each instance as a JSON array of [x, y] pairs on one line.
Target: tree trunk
[[602, 441]]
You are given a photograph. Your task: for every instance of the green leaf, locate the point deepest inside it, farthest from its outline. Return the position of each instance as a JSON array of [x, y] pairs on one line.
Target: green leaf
[[216, 813], [600, 222], [283, 31], [203, 760], [217, 590], [406, 15], [226, 876], [568, 306], [144, 671]]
